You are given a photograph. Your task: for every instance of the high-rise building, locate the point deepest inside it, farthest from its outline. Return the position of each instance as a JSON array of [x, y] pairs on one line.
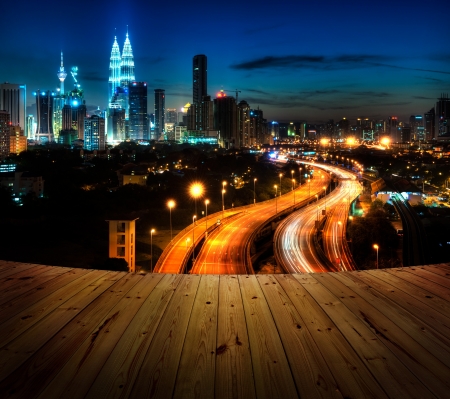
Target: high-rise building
[[171, 115], [160, 104], [5, 123], [393, 129], [44, 115], [225, 120], [94, 133], [74, 112], [138, 122], [127, 64], [429, 118], [62, 74], [17, 140], [199, 78], [244, 123], [13, 100], [30, 128], [114, 69], [442, 109]]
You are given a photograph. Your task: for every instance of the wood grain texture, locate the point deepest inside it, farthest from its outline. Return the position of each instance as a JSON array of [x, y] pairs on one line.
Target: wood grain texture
[[381, 362], [196, 370], [234, 372], [352, 377], [311, 373], [272, 374]]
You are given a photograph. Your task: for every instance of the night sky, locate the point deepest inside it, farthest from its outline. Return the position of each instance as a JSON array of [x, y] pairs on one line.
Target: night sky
[[296, 60]]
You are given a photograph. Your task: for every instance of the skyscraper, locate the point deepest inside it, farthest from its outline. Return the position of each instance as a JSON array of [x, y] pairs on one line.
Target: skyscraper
[[199, 78], [5, 123], [44, 111], [138, 123], [94, 133], [114, 69], [225, 118], [13, 100], [160, 105], [429, 118], [62, 74], [442, 125], [127, 64]]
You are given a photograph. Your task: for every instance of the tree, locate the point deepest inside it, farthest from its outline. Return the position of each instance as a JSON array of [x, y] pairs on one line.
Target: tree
[[115, 264]]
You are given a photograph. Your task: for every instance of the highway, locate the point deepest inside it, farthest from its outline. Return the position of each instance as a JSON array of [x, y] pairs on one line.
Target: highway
[[227, 250], [295, 248]]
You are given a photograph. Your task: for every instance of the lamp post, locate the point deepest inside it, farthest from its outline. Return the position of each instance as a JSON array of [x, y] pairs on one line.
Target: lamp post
[[151, 250], [224, 183], [276, 204], [292, 177], [170, 204], [196, 191], [254, 191], [193, 241], [300, 170], [206, 220], [325, 195], [280, 182], [376, 247], [293, 185]]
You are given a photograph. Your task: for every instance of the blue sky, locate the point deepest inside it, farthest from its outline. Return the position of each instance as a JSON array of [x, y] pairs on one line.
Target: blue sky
[[294, 59]]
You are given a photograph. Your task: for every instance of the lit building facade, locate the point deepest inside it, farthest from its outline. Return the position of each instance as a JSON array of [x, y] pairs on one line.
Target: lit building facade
[[44, 115], [17, 140], [225, 120], [94, 133], [13, 100], [199, 78], [5, 123], [122, 235], [138, 121], [442, 109]]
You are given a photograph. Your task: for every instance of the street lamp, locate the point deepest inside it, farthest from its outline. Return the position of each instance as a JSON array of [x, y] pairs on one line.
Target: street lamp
[[151, 250], [292, 177], [254, 190], [193, 241], [170, 204], [300, 170], [293, 185], [224, 183], [325, 195], [206, 220], [280, 182], [196, 191], [376, 247], [276, 204]]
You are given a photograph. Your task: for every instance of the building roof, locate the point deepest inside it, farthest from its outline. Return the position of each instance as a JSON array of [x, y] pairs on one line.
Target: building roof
[[99, 334]]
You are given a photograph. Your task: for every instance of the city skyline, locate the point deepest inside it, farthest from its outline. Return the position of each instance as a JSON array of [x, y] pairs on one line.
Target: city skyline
[[333, 61]]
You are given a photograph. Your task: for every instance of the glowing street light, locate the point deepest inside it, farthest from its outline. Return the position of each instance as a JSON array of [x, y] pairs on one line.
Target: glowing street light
[[151, 250], [223, 199], [196, 191], [376, 247], [325, 195], [293, 186], [292, 177], [300, 170], [254, 190], [170, 204], [276, 204], [206, 220], [281, 175]]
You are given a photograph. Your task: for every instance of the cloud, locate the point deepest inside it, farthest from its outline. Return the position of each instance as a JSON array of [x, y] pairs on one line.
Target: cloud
[[423, 98], [321, 62], [371, 94], [92, 77]]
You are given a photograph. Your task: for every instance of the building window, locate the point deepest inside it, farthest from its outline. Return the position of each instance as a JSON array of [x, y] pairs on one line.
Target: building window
[[121, 227], [121, 252], [121, 239]]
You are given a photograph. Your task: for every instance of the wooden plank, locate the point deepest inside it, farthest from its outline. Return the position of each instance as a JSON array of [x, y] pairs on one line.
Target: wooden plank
[[273, 378], [118, 375], [234, 373], [311, 373], [156, 378], [20, 349], [19, 304], [422, 290], [396, 379], [409, 274], [428, 275], [33, 375], [406, 304], [8, 295], [38, 310], [196, 370], [426, 359], [74, 381], [438, 269], [352, 377], [20, 277], [11, 268]]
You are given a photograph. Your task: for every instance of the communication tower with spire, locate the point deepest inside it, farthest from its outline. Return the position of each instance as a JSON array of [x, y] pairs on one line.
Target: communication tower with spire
[[62, 74]]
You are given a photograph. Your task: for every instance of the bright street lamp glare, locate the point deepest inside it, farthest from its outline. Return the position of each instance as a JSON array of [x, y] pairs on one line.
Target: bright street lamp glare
[[196, 190], [171, 204]]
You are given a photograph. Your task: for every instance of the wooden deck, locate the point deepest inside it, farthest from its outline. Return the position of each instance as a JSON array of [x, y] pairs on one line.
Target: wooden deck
[[75, 333]]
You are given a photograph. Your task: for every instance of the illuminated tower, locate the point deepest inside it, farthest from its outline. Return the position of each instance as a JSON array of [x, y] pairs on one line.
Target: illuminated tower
[[127, 64], [44, 110], [62, 75], [160, 105], [13, 100], [114, 68]]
